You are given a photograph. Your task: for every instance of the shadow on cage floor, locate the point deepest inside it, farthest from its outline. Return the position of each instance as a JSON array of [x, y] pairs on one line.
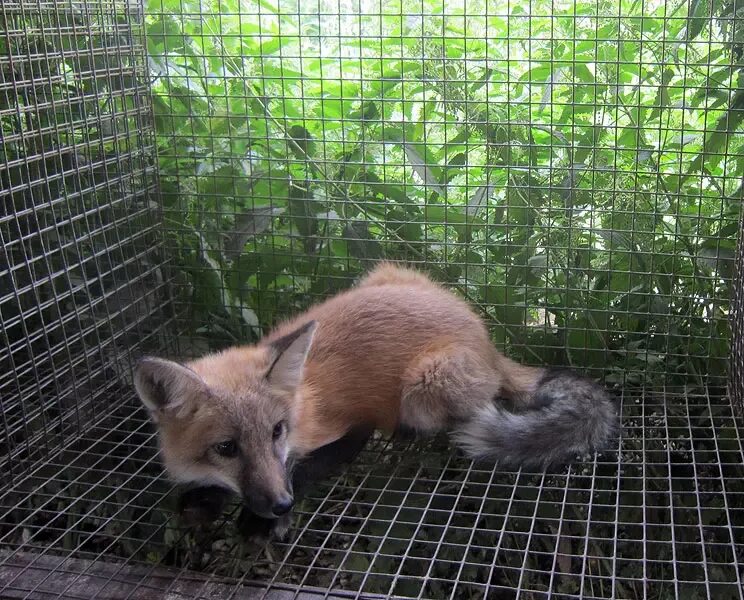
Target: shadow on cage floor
[[661, 518]]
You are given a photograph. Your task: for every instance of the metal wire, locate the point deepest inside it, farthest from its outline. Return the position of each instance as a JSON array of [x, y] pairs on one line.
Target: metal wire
[[78, 259], [573, 170], [736, 373], [558, 182], [81, 267], [410, 521]]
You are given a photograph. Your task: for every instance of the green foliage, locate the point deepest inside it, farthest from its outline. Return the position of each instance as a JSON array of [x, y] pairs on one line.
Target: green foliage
[[576, 175]]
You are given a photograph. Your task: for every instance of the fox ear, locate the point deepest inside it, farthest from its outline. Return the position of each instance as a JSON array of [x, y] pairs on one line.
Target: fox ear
[[163, 384], [288, 355]]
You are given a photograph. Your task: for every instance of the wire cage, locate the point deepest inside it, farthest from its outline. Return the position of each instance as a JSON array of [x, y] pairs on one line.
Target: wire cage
[[179, 175]]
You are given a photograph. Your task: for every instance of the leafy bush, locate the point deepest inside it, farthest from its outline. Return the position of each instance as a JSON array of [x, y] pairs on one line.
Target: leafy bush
[[574, 171]]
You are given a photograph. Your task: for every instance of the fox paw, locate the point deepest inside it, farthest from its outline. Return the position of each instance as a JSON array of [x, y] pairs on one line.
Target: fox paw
[[251, 526], [202, 505]]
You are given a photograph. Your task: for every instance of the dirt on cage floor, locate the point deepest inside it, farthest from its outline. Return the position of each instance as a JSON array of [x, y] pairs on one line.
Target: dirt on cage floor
[[661, 518]]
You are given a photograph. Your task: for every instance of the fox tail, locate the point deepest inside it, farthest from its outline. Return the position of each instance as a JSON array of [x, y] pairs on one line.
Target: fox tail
[[567, 415]]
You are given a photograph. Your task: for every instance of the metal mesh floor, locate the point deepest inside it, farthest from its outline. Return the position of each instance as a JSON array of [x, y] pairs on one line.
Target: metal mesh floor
[[662, 518]]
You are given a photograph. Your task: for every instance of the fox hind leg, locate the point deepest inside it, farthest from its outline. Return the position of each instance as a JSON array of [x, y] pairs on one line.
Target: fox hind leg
[[445, 386]]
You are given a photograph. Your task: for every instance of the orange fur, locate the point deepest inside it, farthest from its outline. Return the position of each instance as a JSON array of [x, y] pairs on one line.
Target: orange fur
[[365, 353], [395, 350]]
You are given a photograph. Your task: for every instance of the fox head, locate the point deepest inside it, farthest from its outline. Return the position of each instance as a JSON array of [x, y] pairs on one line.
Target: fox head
[[226, 419]]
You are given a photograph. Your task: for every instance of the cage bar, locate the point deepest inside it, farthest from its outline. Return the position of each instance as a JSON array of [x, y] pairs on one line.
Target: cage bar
[[179, 175]]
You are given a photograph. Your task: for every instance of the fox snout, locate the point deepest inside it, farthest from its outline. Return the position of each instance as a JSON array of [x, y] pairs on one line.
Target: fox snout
[[283, 505], [267, 506], [268, 497]]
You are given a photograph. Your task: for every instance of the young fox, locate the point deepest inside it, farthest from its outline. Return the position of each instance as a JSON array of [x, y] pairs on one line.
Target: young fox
[[396, 351]]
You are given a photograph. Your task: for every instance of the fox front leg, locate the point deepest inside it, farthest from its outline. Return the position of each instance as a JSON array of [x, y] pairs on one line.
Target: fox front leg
[[251, 525], [202, 505]]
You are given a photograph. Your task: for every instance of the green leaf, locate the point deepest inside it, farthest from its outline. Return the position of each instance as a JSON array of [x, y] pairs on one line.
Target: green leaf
[[715, 141], [422, 169], [303, 141], [393, 134], [482, 81], [361, 243], [444, 214], [390, 191], [368, 111], [462, 137], [662, 101], [697, 18], [454, 165], [479, 199], [248, 224], [302, 209]]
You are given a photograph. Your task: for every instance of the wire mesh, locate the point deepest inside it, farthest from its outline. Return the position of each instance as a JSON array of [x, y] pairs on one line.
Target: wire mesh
[[736, 374], [573, 169], [662, 517], [80, 268]]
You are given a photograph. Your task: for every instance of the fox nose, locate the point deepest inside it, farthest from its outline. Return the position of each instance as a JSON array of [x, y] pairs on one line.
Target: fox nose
[[283, 506]]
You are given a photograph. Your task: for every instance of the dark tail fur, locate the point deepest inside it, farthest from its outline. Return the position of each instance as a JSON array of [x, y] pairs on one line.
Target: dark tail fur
[[568, 415]]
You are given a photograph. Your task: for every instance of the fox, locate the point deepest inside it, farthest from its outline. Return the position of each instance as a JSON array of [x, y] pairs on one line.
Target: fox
[[398, 351]]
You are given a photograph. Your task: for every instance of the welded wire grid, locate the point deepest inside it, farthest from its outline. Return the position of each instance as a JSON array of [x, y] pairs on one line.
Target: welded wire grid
[[661, 518], [80, 267], [79, 272], [736, 368], [571, 170]]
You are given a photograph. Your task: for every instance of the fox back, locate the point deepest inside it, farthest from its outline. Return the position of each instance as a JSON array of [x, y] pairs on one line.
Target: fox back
[[315, 377], [396, 349]]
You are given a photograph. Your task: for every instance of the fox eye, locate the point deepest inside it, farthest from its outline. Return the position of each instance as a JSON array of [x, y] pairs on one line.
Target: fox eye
[[228, 448], [278, 430]]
